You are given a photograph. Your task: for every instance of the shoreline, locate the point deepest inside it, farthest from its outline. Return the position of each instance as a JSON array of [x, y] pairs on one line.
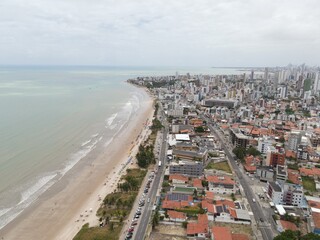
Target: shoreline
[[73, 201]]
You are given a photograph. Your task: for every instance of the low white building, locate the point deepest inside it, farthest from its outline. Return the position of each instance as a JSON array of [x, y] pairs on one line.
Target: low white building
[[221, 184]]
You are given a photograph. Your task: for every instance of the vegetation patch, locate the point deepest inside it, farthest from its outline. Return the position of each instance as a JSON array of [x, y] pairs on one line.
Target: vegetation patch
[[309, 184], [98, 233], [115, 208], [223, 166]]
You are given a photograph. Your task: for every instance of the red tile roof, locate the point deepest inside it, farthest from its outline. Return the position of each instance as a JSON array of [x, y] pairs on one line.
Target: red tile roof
[[255, 132], [176, 215], [293, 176], [239, 236], [196, 182], [221, 233], [220, 180], [288, 225], [178, 177], [316, 219], [203, 219], [309, 171], [314, 204], [196, 228], [290, 153], [208, 206], [200, 227], [167, 204], [250, 168], [209, 195]]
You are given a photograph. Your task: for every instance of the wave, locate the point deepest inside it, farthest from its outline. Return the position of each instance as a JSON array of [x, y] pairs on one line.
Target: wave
[[111, 119], [27, 197], [76, 157], [35, 189]]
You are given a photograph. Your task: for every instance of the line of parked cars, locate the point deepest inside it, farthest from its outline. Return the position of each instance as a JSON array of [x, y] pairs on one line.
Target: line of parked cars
[[139, 210]]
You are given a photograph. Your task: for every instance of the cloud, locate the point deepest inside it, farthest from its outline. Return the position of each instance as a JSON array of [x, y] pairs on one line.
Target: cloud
[[157, 32]]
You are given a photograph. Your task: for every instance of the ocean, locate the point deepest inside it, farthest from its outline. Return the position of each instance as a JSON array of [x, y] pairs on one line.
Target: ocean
[[54, 117]]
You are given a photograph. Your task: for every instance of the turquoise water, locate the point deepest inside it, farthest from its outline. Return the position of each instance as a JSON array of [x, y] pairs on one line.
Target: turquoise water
[[52, 117]]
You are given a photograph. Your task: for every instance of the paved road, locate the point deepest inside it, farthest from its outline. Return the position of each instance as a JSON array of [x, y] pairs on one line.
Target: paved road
[[145, 216], [265, 229]]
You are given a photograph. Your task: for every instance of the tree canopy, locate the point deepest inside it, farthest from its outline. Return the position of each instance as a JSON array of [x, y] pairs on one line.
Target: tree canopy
[[296, 235]]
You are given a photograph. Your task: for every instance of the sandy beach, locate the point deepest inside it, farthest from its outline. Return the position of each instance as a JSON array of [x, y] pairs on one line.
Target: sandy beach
[[61, 211]]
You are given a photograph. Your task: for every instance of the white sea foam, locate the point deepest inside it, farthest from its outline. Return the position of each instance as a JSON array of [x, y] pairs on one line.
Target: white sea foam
[[4, 211], [85, 143], [32, 192], [35, 189], [6, 218], [111, 119], [76, 157]]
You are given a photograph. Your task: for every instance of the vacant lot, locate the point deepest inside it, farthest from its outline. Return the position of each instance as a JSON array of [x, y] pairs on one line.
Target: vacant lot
[[237, 228], [309, 184], [223, 166], [168, 232]]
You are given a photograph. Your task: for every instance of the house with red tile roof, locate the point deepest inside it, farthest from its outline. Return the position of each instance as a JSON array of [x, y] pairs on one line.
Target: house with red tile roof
[[221, 233], [197, 183], [239, 236], [200, 228], [310, 172], [221, 184], [224, 210], [209, 195], [294, 176], [178, 179], [175, 216], [291, 154], [283, 225]]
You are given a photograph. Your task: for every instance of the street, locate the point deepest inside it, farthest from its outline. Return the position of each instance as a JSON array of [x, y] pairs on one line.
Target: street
[[265, 229], [147, 212]]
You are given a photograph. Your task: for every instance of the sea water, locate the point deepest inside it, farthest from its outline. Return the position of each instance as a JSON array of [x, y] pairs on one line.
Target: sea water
[[53, 117]]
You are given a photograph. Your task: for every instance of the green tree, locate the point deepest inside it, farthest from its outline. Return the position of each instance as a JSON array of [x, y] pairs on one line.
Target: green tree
[[185, 224], [288, 235], [233, 197], [253, 151], [155, 219], [310, 236], [199, 129], [240, 152]]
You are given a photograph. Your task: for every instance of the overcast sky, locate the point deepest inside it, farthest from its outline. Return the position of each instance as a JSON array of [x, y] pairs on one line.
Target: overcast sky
[[160, 32]]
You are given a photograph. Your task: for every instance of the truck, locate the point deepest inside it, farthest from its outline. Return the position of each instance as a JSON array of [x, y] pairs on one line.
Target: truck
[[159, 164]]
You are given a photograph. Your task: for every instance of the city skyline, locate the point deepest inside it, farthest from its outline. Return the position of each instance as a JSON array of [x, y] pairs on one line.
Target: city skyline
[[144, 33]]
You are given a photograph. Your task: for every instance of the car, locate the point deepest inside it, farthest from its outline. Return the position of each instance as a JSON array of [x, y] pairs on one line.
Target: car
[[261, 220], [134, 223], [148, 200]]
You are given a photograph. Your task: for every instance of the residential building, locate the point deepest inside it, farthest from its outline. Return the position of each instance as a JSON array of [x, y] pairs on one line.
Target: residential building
[[221, 184], [275, 158], [286, 194], [238, 139], [265, 173], [189, 168]]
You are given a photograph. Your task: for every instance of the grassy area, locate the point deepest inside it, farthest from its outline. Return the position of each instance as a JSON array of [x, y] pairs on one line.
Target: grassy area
[[115, 208], [98, 233], [223, 166], [309, 184]]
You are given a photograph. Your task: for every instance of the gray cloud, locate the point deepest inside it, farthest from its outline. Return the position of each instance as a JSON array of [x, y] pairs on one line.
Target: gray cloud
[[157, 32]]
